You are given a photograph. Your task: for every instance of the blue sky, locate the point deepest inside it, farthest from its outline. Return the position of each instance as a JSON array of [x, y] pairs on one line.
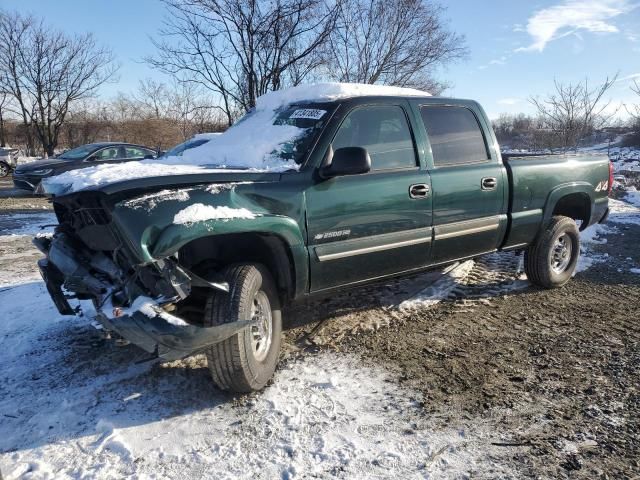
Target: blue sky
[[516, 47]]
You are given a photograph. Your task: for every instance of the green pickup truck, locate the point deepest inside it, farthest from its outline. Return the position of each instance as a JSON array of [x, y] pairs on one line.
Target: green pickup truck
[[378, 186]]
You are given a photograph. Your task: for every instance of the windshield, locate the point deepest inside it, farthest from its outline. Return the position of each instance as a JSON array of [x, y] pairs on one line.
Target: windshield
[[178, 150], [311, 119], [77, 153]]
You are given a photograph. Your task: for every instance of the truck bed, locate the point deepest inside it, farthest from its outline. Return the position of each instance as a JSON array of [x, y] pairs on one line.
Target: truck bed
[[538, 181]]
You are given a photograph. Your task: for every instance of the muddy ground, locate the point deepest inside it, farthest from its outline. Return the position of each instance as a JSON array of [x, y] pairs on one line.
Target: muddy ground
[[555, 374]]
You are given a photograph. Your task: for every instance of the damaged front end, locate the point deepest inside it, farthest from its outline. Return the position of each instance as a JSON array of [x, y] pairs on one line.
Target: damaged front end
[[140, 302]]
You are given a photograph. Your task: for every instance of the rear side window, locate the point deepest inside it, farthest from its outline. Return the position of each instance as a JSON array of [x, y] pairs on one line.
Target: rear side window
[[455, 135], [381, 129]]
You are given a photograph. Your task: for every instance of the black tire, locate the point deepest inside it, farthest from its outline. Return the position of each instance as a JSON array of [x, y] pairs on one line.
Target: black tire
[[5, 169], [239, 364], [545, 262]]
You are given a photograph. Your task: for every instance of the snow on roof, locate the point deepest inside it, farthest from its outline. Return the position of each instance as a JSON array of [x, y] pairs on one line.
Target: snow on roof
[[249, 144], [332, 91]]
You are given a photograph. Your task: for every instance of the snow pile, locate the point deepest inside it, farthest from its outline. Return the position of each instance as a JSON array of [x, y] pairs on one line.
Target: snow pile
[[633, 196], [592, 236], [198, 212], [252, 143]]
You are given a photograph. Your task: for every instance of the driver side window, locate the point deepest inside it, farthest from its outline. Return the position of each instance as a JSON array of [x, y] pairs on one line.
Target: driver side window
[[384, 131]]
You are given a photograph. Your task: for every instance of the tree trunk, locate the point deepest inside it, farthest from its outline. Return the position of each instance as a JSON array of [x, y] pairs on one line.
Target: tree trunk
[[3, 142]]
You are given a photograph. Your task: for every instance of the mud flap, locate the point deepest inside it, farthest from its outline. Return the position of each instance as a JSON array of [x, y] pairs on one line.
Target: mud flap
[[170, 342]]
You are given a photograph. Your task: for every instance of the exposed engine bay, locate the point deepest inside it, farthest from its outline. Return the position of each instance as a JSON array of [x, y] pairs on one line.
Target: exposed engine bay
[[86, 259]]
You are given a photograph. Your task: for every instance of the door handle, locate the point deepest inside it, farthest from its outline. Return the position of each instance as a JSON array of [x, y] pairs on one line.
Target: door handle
[[419, 190], [489, 183]]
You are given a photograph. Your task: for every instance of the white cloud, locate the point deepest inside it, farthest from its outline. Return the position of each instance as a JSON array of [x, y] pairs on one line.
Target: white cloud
[[509, 101], [570, 16], [633, 76]]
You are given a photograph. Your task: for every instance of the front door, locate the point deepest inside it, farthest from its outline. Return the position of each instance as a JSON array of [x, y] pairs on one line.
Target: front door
[[468, 185], [366, 226]]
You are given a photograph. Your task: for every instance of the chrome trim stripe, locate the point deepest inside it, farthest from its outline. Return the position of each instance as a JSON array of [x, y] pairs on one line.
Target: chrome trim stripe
[[468, 227], [467, 231], [377, 248], [371, 244]]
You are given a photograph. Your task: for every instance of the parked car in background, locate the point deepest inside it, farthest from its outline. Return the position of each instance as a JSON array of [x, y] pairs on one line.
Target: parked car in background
[[197, 141], [29, 176], [8, 159]]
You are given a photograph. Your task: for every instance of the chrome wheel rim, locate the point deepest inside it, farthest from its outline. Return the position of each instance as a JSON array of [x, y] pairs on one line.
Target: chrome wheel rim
[[561, 253], [4, 171], [262, 331]]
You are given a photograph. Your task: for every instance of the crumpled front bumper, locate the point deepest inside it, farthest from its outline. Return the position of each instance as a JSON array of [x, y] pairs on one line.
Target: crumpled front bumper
[[166, 340], [165, 335]]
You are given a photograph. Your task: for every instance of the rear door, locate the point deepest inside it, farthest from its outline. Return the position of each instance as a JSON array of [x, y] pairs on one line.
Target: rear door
[[468, 183], [372, 225]]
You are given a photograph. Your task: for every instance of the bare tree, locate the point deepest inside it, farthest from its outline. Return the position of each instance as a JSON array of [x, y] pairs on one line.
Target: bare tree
[[153, 96], [48, 71], [14, 30], [400, 42], [634, 110], [4, 100], [573, 111], [241, 49]]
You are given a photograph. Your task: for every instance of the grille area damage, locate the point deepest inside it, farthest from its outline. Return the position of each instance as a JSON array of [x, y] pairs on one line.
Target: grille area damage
[[86, 260]]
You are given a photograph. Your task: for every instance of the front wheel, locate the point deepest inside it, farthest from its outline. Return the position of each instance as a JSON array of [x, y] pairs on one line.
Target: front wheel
[[246, 361], [553, 257], [4, 169]]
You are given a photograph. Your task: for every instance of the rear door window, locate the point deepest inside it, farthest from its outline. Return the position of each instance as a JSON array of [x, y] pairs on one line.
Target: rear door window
[[381, 129], [106, 154], [136, 152], [454, 134]]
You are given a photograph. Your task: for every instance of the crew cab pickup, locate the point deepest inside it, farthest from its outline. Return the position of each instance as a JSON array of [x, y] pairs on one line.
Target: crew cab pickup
[[381, 185]]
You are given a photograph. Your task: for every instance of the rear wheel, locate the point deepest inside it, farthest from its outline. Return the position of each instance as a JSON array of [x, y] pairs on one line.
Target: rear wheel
[[4, 169], [552, 259], [246, 361]]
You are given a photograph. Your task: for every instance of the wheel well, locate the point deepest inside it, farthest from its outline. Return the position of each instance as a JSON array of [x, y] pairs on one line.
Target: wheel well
[[576, 206], [207, 254]]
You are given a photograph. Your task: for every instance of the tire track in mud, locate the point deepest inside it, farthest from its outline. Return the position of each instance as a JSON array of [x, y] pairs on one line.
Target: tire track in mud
[[464, 286]]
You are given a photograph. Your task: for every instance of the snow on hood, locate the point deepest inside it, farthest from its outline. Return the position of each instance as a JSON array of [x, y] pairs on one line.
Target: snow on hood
[[199, 212], [249, 144]]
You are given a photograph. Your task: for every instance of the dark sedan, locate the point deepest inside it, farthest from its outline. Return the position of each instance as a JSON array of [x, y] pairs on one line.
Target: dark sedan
[[29, 176]]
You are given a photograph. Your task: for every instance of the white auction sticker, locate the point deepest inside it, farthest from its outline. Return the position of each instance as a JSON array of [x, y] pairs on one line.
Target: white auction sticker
[[310, 113]]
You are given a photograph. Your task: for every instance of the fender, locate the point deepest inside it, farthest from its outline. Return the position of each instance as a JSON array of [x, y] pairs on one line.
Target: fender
[[562, 191], [175, 236]]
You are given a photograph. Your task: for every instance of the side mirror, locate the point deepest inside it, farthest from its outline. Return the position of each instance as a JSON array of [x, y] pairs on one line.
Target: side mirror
[[92, 158], [347, 161], [148, 157]]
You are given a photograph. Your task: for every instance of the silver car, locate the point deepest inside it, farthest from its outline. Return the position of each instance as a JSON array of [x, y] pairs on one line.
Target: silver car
[[8, 159]]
